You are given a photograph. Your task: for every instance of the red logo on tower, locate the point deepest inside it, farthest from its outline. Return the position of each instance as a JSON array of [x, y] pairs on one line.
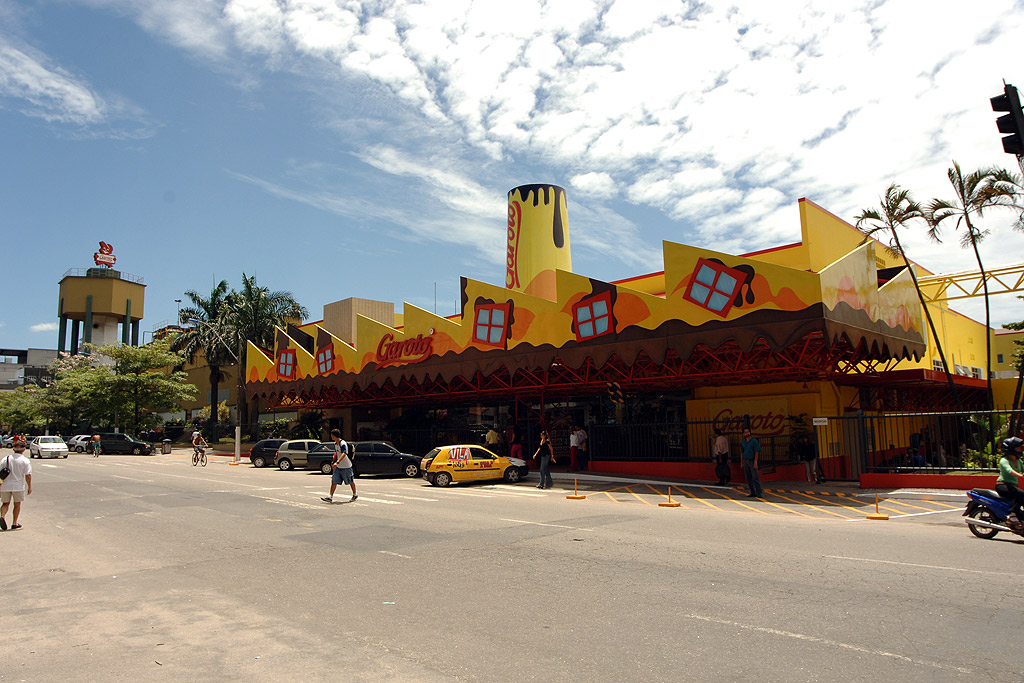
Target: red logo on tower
[[105, 256]]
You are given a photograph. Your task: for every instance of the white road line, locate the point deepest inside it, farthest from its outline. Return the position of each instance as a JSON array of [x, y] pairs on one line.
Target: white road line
[[467, 493], [918, 514], [909, 514], [831, 643], [916, 493], [387, 552], [395, 495], [47, 465], [919, 566], [557, 526], [378, 500]]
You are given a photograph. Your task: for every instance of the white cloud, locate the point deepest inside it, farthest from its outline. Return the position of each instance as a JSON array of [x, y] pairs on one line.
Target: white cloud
[[44, 327], [719, 116], [44, 90]]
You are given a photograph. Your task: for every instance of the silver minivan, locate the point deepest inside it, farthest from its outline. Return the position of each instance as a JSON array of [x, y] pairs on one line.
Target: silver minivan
[[292, 454]]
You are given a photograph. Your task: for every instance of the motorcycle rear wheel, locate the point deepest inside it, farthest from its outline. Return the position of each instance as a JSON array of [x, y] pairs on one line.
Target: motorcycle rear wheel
[[981, 531]]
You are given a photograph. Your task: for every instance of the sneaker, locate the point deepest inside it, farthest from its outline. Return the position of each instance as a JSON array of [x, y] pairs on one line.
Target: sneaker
[[327, 499], [354, 496]]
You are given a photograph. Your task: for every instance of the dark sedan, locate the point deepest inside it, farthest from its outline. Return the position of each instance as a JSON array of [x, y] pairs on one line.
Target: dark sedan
[[370, 457], [263, 453]]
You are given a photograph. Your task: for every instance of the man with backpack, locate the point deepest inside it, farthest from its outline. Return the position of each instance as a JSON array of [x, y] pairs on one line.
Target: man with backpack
[[16, 485], [341, 472]]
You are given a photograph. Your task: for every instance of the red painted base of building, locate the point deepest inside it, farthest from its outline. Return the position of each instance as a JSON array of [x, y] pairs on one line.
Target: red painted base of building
[[704, 471], [959, 482], [693, 471]]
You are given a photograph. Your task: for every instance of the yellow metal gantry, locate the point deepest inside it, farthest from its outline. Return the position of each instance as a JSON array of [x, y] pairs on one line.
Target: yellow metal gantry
[[968, 284]]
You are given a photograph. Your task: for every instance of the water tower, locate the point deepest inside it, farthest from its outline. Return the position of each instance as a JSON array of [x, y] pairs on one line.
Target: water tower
[[96, 300]]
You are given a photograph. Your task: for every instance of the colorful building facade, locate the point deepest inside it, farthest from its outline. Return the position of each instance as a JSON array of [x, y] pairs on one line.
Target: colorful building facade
[[825, 326]]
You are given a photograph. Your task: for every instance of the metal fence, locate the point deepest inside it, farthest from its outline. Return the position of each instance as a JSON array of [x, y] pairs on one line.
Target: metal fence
[[680, 442], [847, 445]]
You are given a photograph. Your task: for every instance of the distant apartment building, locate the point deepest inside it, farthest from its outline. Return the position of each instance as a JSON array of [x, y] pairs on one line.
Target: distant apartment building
[[19, 367]]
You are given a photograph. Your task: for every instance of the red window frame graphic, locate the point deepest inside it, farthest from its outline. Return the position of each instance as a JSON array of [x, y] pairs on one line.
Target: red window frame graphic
[[713, 287], [286, 363], [325, 359], [593, 316], [484, 331]]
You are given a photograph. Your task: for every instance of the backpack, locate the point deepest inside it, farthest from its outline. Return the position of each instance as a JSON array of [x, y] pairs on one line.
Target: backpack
[[5, 471]]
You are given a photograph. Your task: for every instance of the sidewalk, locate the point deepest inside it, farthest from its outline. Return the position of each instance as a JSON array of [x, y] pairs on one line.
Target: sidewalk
[[849, 488]]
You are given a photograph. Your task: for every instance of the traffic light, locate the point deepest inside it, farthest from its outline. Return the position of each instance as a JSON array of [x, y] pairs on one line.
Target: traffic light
[[615, 393], [1012, 123]]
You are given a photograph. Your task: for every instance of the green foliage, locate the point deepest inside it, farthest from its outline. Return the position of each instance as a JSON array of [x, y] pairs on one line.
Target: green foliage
[[128, 389], [273, 428], [135, 386], [20, 410], [203, 414], [310, 425]]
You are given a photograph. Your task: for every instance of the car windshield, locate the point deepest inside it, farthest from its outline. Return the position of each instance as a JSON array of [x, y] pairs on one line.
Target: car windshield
[[50, 439]]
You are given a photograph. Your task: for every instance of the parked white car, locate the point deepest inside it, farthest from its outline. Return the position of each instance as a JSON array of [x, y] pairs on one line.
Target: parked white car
[[78, 442], [48, 447]]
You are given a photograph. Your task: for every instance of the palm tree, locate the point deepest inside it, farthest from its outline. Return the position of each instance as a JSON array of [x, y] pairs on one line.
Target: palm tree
[[1007, 189], [974, 192], [206, 330], [898, 209], [255, 313]]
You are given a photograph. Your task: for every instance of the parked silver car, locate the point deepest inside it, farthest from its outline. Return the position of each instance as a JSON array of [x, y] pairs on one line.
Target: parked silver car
[[292, 454]]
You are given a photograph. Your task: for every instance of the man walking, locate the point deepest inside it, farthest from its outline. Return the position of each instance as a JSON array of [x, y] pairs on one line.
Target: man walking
[[341, 470], [751, 450], [16, 486]]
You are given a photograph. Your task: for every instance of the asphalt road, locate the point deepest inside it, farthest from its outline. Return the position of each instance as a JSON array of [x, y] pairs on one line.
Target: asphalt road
[[146, 568]]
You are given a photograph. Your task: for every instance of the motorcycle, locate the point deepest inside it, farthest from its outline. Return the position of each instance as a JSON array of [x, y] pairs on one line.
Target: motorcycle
[[987, 514]]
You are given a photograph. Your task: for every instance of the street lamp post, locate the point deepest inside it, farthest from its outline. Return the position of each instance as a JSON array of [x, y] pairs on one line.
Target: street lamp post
[[239, 369]]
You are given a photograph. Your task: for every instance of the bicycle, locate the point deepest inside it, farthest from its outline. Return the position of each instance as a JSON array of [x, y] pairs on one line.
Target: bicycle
[[198, 456]]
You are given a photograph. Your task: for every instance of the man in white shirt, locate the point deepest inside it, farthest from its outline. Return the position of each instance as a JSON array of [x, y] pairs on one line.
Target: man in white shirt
[[16, 486], [342, 470]]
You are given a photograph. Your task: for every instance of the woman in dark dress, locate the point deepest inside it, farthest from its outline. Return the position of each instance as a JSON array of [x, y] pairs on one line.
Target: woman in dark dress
[[547, 458]]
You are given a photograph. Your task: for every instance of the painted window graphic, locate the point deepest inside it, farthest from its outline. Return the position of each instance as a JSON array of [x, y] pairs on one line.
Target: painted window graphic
[[491, 325], [713, 286], [286, 363], [325, 359], [593, 316]]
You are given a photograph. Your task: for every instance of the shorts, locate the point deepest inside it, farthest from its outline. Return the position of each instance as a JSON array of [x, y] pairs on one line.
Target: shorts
[[15, 496], [342, 475]]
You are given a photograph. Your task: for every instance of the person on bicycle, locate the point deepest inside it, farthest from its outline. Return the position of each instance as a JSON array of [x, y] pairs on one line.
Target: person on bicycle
[[94, 445], [199, 443]]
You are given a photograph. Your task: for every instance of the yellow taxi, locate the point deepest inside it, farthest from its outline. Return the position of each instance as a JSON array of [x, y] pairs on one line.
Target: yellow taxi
[[446, 464]]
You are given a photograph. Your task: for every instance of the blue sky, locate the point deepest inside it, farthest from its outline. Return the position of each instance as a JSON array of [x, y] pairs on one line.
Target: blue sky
[[340, 149]]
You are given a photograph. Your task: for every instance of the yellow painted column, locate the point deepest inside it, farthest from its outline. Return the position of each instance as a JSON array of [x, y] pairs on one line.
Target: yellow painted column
[[538, 239]]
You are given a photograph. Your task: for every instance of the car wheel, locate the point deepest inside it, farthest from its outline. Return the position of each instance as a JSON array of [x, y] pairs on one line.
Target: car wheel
[[136, 451], [258, 461], [411, 470], [284, 464], [442, 479], [512, 475], [79, 449], [327, 468]]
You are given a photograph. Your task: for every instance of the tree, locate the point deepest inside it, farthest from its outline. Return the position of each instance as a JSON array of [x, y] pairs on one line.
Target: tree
[[139, 389], [20, 410], [898, 209], [974, 193], [255, 312], [206, 324]]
